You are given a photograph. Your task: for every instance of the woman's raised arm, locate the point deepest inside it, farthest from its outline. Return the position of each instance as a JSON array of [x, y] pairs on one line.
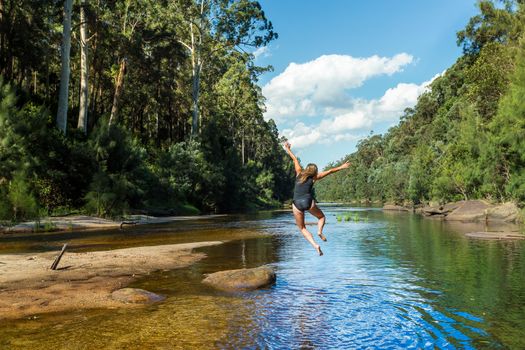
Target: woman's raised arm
[[296, 164], [331, 171]]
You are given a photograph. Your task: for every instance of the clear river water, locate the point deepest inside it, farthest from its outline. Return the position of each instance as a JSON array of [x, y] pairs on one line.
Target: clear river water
[[386, 281]]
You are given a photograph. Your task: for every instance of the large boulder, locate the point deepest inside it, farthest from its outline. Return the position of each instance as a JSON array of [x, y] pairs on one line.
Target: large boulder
[[136, 296], [475, 210], [507, 212], [441, 210], [242, 279]]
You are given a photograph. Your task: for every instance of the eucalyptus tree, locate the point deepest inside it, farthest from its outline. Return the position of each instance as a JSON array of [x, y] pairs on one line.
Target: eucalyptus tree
[[84, 70], [130, 19], [239, 99], [219, 26], [65, 69]]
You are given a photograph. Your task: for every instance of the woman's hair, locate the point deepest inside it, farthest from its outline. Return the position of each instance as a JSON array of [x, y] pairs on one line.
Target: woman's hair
[[309, 171]]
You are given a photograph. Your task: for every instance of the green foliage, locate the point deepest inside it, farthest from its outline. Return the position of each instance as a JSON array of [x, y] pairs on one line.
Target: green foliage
[[508, 127], [419, 174], [347, 217], [459, 171], [493, 24], [18, 202], [186, 176], [488, 78], [119, 182]]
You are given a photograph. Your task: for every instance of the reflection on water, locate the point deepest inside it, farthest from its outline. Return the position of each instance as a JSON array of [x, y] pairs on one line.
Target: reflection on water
[[386, 281]]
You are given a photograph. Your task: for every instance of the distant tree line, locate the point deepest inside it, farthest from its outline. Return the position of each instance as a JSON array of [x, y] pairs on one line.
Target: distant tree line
[[112, 106], [465, 138]]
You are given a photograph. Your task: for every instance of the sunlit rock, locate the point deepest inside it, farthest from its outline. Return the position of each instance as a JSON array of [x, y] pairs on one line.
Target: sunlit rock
[[475, 210], [242, 279]]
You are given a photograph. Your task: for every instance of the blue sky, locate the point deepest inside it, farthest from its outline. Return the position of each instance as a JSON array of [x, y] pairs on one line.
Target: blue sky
[[343, 68]]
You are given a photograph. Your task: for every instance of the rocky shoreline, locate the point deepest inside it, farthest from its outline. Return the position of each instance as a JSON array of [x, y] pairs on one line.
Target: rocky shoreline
[[473, 211], [466, 211]]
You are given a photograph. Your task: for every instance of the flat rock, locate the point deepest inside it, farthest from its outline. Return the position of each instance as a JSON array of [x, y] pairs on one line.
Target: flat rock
[[242, 279], [136, 296], [474, 210], [21, 228], [395, 207], [496, 235]]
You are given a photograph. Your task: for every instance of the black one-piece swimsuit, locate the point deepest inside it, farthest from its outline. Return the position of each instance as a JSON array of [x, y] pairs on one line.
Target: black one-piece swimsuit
[[302, 194]]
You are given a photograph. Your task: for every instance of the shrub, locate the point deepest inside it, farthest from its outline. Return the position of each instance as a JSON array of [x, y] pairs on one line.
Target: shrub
[[119, 182]]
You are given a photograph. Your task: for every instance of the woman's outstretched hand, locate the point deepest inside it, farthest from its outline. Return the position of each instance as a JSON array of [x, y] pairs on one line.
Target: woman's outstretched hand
[[287, 145], [344, 165]]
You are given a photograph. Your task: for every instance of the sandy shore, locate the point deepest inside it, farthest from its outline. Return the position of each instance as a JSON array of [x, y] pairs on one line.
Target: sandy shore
[[83, 222], [83, 280]]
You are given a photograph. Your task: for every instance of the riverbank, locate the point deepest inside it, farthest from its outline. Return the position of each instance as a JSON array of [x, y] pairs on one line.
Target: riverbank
[[83, 280], [476, 218], [84, 222], [466, 211]]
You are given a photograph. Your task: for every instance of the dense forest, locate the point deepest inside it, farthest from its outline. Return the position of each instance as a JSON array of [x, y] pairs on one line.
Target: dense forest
[[465, 138], [108, 107]]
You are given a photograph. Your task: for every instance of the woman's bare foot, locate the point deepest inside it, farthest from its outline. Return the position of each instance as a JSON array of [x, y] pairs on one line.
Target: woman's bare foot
[[322, 236], [319, 250]]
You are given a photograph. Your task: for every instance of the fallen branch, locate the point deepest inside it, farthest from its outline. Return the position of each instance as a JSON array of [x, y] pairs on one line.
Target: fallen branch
[[57, 260]]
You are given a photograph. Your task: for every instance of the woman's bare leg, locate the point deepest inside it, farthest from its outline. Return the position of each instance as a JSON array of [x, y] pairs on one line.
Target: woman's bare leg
[[299, 220], [318, 213]]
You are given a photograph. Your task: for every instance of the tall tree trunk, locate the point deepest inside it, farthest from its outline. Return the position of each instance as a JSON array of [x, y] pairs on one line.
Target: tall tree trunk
[[2, 36], [196, 46], [95, 64], [118, 91], [64, 74], [83, 106], [34, 82], [195, 100], [242, 146], [119, 84]]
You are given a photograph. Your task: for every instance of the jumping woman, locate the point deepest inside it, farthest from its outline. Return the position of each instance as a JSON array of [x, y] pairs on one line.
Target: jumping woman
[[303, 199]]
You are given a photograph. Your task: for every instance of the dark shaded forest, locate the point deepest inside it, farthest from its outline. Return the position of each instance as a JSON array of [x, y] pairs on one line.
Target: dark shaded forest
[[110, 107], [465, 138]]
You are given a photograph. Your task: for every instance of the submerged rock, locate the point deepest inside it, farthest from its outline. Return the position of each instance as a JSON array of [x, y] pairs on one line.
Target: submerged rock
[[136, 296], [242, 279], [496, 235]]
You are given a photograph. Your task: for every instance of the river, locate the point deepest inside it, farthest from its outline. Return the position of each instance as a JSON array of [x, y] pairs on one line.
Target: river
[[386, 281]]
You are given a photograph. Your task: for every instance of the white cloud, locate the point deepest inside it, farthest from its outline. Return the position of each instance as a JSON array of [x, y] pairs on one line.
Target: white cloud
[[362, 115], [262, 51], [319, 87]]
